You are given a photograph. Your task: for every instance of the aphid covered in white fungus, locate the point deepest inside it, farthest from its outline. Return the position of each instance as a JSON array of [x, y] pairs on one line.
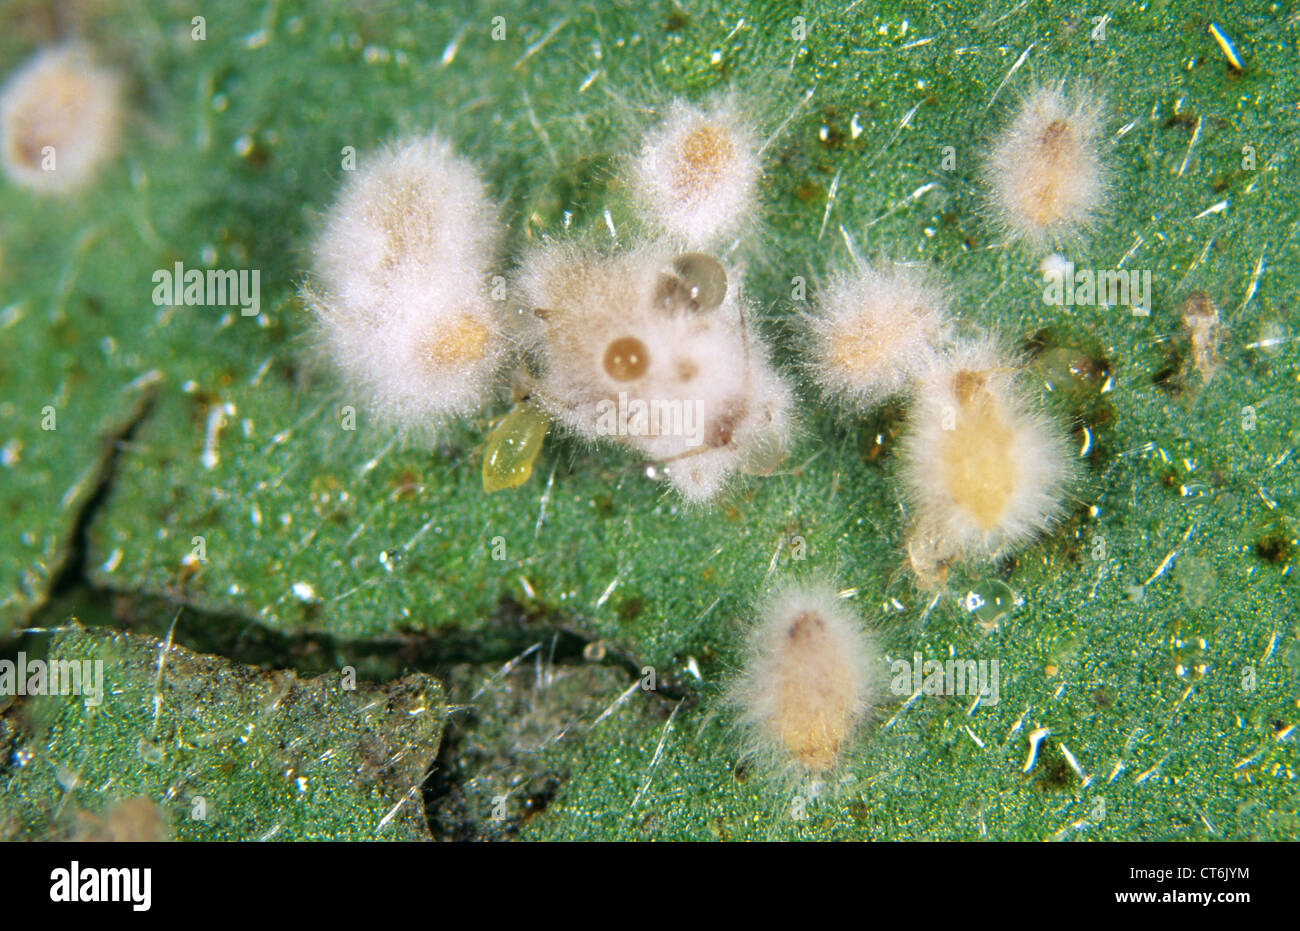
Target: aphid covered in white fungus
[[813, 675], [696, 174], [653, 349], [984, 472], [60, 117], [131, 820], [874, 330], [1045, 173], [401, 287]]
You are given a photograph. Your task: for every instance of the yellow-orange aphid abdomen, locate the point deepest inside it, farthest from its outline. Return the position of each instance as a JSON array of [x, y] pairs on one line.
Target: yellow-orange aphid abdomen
[[703, 159], [861, 353], [977, 454], [858, 351], [463, 342], [816, 712]]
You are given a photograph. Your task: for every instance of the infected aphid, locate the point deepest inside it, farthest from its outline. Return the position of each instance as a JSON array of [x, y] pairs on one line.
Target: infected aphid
[[128, 821], [984, 472], [60, 116], [874, 330], [696, 174], [653, 349], [1045, 173], [812, 677], [1200, 317], [401, 285]]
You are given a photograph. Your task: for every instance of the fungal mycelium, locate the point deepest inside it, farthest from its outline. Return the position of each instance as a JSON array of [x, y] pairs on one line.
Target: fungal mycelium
[[651, 344], [812, 677], [1045, 173], [60, 119], [874, 330], [984, 471], [401, 289], [654, 349], [696, 175]]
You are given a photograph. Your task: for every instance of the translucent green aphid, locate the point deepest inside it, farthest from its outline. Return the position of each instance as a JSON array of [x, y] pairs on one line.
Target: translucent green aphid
[[512, 447]]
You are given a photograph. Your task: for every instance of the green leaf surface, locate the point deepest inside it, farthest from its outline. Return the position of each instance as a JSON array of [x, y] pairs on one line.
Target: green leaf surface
[[225, 752], [1130, 654]]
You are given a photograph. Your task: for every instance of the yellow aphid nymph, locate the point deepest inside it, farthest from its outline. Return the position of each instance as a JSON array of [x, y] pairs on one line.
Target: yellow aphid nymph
[[513, 446]]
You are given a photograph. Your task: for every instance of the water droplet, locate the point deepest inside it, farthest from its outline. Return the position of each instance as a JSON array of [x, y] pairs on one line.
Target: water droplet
[[705, 281], [989, 601], [626, 359], [149, 751], [1067, 647], [1291, 659], [1190, 662]]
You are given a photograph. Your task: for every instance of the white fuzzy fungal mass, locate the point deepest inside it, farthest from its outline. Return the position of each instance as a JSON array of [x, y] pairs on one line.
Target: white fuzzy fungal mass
[[60, 117], [983, 469], [653, 349], [875, 330], [651, 345], [696, 174], [402, 287], [1044, 173], [812, 677]]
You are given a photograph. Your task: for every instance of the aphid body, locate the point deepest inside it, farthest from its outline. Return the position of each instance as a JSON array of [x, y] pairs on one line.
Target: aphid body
[[696, 175], [60, 119], [1045, 172], [401, 289], [512, 447], [875, 330], [983, 470], [811, 679], [653, 349]]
